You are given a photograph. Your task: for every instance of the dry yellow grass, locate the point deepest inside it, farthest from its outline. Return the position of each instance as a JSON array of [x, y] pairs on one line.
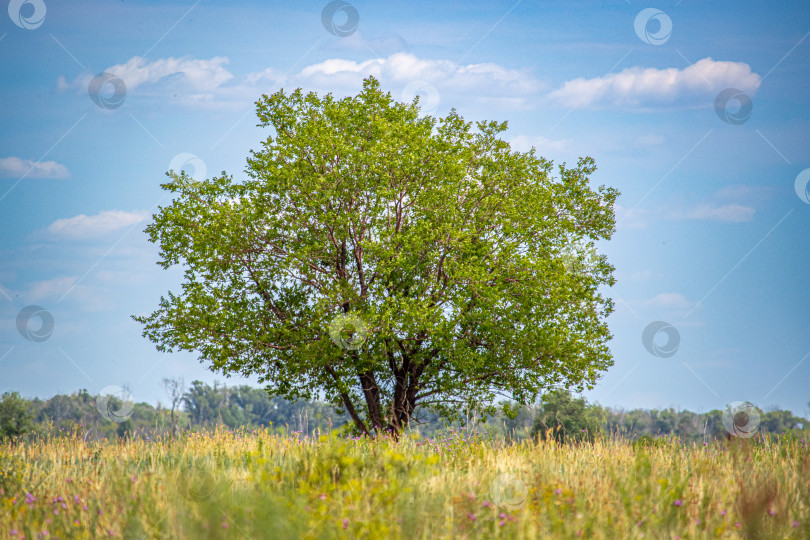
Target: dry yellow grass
[[257, 485]]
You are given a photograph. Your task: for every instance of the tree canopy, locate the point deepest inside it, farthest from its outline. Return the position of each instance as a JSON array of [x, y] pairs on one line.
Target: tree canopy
[[382, 260], [15, 418]]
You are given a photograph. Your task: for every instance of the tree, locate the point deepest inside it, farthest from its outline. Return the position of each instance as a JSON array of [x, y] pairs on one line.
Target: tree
[[15, 418], [175, 388], [384, 260], [568, 419]]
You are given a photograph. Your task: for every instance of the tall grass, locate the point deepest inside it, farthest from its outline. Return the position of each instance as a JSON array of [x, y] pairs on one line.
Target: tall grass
[[260, 485]]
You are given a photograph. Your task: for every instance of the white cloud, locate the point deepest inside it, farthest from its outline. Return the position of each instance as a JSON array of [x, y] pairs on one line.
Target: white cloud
[[14, 167], [741, 193], [83, 226], [447, 76], [50, 289], [731, 204], [190, 81], [649, 86], [730, 213], [199, 75], [200, 82], [524, 143], [188, 74], [68, 288]]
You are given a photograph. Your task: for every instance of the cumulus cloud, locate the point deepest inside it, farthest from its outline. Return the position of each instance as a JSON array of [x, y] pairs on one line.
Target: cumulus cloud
[[83, 226], [190, 81], [201, 75], [445, 75], [649, 86], [200, 82], [15, 167], [194, 74]]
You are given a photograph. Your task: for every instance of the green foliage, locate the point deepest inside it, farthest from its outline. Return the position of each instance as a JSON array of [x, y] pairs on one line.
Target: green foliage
[[566, 419], [466, 269], [15, 418], [647, 441], [206, 407]]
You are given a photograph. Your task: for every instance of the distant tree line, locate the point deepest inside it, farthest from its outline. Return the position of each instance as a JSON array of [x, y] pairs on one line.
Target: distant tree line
[[201, 406]]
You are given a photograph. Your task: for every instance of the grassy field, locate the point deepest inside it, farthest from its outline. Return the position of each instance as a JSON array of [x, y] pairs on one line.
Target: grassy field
[[256, 485]]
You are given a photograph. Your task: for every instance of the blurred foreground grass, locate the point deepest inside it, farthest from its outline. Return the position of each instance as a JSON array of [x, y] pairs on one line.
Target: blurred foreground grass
[[257, 485]]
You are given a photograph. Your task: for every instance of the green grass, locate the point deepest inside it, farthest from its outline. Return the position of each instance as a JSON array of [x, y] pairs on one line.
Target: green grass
[[258, 485]]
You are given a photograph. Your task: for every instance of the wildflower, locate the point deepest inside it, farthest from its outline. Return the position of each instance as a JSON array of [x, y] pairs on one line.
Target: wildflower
[[723, 513], [678, 502], [345, 523], [639, 523], [488, 504], [84, 507], [738, 525], [224, 524], [76, 499], [771, 512], [322, 496], [132, 478], [13, 532], [472, 517], [795, 523], [558, 491]]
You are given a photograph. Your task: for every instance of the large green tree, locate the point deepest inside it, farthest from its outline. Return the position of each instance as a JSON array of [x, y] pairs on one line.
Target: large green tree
[[385, 260]]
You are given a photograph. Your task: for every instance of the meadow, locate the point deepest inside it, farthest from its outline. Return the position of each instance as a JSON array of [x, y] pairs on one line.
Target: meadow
[[255, 484]]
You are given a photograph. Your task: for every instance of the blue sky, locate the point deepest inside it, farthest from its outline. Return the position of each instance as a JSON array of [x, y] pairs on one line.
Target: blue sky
[[713, 220]]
